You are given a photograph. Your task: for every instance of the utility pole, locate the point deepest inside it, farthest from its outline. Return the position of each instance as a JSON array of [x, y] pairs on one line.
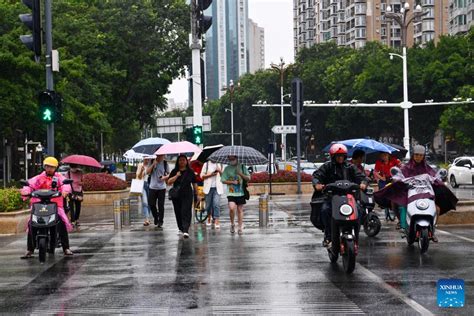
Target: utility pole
[[199, 25], [281, 68], [49, 68]]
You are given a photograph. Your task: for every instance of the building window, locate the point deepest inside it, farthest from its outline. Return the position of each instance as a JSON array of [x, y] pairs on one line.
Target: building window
[[360, 21], [360, 33]]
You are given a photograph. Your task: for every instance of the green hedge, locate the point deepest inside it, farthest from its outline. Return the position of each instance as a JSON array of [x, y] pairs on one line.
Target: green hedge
[[10, 200]]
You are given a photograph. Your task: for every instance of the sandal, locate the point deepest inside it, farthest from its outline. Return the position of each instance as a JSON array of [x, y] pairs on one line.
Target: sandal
[[27, 255], [146, 223]]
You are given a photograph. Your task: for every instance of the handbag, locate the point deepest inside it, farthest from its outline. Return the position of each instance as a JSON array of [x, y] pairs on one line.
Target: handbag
[[136, 186], [173, 193], [244, 186]]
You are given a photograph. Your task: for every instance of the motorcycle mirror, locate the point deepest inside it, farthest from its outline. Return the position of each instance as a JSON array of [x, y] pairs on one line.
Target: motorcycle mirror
[[24, 183], [442, 173], [395, 171]]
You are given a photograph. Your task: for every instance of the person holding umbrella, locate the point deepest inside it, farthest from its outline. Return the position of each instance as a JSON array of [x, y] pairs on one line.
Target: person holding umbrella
[[77, 195], [158, 171], [234, 175], [183, 180], [213, 188]]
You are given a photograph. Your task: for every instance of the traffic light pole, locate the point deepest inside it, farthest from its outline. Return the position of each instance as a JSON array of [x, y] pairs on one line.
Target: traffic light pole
[[196, 67], [49, 68]]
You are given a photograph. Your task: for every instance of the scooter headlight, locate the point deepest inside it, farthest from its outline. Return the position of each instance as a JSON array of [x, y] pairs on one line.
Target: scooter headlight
[[422, 204], [346, 209], [52, 218]]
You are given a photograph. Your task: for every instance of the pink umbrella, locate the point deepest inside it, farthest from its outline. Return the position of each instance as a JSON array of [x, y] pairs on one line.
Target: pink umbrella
[[82, 160], [178, 148]]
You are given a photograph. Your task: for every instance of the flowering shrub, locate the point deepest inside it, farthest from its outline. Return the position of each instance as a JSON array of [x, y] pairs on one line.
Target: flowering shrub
[[281, 176], [102, 182], [10, 200]]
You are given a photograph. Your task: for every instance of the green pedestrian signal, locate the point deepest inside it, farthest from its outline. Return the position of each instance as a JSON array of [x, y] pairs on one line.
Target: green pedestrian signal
[[197, 135], [47, 115], [49, 106]]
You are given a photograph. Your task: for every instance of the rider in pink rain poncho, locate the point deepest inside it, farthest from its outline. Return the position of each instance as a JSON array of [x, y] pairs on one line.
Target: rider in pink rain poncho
[[44, 181]]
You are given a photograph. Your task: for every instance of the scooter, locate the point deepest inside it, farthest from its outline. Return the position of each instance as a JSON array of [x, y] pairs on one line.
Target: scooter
[[369, 219], [344, 223], [421, 208], [44, 218]]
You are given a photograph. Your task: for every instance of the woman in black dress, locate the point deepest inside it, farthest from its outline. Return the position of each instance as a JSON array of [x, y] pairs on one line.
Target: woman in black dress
[[183, 179]]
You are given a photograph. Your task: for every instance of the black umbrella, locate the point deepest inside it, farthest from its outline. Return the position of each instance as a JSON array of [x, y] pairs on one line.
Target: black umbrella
[[206, 152]]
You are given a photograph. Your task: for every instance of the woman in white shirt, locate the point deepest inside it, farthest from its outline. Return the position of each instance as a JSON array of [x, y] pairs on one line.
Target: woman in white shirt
[[213, 188]]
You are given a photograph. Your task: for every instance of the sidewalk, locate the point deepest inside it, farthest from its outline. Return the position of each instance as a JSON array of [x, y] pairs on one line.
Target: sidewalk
[[284, 211]]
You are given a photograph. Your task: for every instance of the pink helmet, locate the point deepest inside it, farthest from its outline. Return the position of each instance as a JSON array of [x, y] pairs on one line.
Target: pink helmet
[[337, 149]]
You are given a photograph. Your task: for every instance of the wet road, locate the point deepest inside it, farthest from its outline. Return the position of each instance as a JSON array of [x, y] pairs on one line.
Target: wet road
[[278, 270], [464, 192]]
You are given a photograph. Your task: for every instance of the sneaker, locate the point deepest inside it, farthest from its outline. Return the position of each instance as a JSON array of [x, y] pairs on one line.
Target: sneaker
[[159, 225], [186, 235], [209, 221], [326, 243], [232, 229], [434, 238], [217, 224], [241, 230], [180, 233], [156, 221]]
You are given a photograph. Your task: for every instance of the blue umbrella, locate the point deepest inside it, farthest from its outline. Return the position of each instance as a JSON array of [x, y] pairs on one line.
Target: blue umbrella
[[149, 145], [365, 144]]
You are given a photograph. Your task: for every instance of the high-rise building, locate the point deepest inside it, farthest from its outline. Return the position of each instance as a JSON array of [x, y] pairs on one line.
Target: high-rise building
[[256, 47], [355, 22], [226, 45], [461, 16]]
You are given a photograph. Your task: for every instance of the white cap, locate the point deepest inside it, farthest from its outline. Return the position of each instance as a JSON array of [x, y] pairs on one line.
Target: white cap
[[418, 149]]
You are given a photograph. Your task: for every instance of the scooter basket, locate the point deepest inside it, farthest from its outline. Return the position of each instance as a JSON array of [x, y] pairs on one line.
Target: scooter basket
[[316, 206]]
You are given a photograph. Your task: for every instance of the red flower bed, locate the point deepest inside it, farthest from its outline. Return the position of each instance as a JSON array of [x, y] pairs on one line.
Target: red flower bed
[[281, 176], [102, 182]]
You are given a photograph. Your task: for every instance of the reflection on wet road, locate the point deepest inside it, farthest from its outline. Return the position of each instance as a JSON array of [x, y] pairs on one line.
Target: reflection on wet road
[[278, 270]]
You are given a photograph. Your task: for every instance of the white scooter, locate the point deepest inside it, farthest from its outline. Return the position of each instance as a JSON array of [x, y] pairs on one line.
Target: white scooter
[[421, 208]]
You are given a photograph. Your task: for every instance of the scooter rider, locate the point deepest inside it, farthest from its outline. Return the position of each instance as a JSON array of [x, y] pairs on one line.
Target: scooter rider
[[44, 181], [336, 169]]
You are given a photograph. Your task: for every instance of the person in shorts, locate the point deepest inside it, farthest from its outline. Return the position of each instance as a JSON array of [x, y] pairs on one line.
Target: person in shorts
[[233, 176]]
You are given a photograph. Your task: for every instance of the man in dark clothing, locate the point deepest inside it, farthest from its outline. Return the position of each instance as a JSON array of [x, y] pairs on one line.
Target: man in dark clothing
[[336, 169]]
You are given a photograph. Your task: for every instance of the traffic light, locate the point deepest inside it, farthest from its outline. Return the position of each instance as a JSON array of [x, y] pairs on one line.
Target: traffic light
[[33, 22], [197, 135], [296, 96], [49, 104], [203, 22], [189, 134]]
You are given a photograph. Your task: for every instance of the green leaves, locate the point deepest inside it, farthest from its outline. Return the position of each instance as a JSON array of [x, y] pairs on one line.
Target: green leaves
[[330, 72], [117, 60]]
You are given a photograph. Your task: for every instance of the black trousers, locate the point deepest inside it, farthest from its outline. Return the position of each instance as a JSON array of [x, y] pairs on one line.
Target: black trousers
[[75, 206], [63, 236], [183, 211], [153, 197]]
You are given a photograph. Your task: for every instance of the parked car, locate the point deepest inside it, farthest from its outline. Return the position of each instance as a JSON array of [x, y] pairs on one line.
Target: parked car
[[461, 171]]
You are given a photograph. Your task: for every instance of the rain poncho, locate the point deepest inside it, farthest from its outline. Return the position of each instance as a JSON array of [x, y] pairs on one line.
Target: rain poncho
[[43, 181], [397, 191]]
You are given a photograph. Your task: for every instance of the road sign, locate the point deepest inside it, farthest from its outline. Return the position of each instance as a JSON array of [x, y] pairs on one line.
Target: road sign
[[285, 129], [169, 125], [206, 122]]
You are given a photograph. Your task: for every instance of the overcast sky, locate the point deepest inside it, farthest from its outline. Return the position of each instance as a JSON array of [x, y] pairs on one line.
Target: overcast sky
[[276, 17]]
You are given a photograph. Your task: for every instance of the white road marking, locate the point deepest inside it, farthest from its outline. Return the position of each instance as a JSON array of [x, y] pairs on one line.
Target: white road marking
[[375, 278], [454, 235]]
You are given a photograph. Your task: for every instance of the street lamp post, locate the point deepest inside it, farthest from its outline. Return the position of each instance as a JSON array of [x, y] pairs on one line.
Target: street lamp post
[[404, 21], [281, 68], [231, 91]]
